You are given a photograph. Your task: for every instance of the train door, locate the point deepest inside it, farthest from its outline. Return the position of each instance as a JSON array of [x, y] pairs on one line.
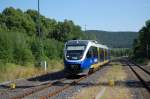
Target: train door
[[89, 56], [106, 55], [95, 54], [100, 51], [92, 55], [101, 54], [89, 53]]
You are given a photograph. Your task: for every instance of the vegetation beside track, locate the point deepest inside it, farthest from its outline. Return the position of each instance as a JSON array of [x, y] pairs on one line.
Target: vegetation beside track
[[10, 71], [141, 46], [23, 48], [142, 61]]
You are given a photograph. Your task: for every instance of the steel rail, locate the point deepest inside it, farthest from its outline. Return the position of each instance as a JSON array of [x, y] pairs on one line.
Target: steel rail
[[139, 77], [51, 94], [54, 93], [35, 89], [140, 67], [30, 91]]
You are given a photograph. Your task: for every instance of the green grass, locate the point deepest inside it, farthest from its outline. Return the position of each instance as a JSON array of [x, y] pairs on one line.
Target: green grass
[[11, 71]]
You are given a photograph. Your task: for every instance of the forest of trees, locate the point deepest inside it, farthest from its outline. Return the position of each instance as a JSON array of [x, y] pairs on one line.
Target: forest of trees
[[20, 42], [21, 45], [141, 45], [119, 52], [114, 39]]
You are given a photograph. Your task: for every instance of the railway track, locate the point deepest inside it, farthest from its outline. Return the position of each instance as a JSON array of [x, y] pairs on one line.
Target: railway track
[[61, 86], [65, 86], [29, 86], [49, 89], [36, 89], [142, 74], [140, 67], [65, 83]]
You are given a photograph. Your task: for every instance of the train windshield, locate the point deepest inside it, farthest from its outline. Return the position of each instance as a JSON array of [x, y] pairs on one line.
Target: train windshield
[[75, 52]]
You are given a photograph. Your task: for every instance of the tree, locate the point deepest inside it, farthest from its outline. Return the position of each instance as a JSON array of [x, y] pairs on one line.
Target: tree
[[6, 47], [20, 42], [140, 45]]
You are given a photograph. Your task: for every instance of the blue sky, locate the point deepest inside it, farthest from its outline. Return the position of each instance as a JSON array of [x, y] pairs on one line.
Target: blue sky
[[109, 15]]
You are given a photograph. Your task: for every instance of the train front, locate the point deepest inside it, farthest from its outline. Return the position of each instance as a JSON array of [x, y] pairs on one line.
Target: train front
[[74, 56]]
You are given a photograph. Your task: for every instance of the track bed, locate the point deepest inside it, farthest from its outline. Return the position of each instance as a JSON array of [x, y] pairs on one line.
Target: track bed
[[127, 84]]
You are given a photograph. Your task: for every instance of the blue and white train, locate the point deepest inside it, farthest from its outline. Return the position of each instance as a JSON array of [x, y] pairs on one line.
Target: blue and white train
[[84, 56]]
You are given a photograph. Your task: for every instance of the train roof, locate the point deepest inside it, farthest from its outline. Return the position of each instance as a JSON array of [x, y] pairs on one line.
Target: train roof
[[86, 42]]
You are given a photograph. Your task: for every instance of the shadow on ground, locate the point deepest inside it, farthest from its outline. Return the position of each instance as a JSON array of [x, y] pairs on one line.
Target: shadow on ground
[[128, 84], [50, 76]]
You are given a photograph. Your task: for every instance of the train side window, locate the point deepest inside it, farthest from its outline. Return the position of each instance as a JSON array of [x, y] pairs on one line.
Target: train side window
[[95, 51], [102, 55], [106, 54], [89, 53]]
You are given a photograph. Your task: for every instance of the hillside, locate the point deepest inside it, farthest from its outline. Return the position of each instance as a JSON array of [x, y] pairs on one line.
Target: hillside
[[114, 39]]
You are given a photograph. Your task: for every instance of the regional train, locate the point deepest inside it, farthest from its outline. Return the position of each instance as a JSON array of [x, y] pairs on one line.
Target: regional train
[[84, 56]]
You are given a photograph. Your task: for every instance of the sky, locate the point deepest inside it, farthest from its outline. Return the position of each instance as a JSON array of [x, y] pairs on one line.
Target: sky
[[108, 15]]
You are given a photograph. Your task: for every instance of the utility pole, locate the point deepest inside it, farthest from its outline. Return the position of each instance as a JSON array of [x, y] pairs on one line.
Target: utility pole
[[39, 34], [42, 61]]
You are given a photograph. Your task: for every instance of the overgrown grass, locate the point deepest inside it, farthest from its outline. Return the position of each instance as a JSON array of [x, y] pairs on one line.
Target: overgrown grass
[[11, 71], [116, 72]]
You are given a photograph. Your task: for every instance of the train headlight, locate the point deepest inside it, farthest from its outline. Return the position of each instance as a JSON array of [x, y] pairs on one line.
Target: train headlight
[[81, 56]]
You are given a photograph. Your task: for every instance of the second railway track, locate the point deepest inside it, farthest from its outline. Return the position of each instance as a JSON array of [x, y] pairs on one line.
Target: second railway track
[[142, 74]]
